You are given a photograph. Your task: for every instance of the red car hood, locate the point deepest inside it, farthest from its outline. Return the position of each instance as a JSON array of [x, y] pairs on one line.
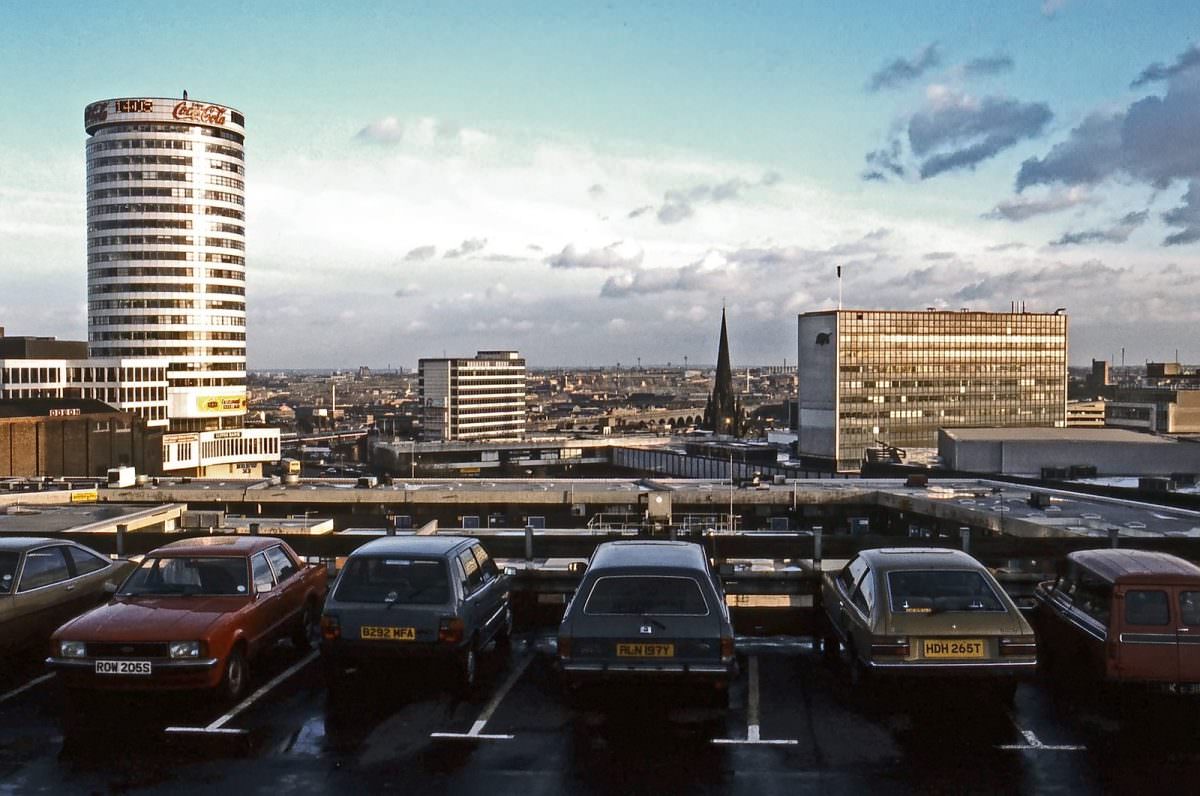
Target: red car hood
[[151, 619]]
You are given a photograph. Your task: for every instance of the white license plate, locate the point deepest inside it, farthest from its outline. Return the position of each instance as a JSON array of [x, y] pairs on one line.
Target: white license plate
[[123, 667]]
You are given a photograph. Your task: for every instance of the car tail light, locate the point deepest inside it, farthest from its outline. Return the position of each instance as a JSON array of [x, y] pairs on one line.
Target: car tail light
[[564, 646], [890, 648], [726, 648], [331, 628], [450, 630], [1018, 645]]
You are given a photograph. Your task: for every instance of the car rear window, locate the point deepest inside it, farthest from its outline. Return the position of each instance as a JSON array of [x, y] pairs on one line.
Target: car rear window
[[1147, 607], [395, 579], [8, 571], [935, 591], [646, 594]]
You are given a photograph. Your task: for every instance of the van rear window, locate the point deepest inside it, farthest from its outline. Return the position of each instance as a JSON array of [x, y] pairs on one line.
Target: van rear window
[[1146, 607], [394, 579], [638, 595]]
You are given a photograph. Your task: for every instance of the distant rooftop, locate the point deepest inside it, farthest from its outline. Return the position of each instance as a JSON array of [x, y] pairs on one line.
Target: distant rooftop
[[1121, 435]]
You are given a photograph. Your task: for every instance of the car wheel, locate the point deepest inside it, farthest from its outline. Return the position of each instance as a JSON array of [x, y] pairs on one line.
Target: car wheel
[[504, 634], [331, 672], [831, 647], [856, 671], [1005, 693], [468, 667], [236, 677], [308, 628]]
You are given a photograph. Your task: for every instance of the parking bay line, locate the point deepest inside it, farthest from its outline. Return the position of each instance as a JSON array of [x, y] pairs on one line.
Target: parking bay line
[[217, 726], [22, 689], [476, 732], [1033, 743], [753, 728]]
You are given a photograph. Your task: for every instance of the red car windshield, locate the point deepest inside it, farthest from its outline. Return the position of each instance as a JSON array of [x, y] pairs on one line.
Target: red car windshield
[[188, 576]]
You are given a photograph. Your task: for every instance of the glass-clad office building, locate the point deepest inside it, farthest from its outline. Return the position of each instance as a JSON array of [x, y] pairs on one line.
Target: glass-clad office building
[[887, 379]]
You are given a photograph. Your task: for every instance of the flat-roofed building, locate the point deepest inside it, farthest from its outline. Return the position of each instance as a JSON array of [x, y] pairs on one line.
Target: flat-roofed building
[[889, 379], [480, 397], [73, 437]]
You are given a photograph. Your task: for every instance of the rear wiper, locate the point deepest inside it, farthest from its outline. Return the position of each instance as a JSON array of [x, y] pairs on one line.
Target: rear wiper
[[653, 621]]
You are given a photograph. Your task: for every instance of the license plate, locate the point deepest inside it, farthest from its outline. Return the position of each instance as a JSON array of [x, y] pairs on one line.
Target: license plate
[[954, 648], [123, 667], [372, 633], [642, 650]]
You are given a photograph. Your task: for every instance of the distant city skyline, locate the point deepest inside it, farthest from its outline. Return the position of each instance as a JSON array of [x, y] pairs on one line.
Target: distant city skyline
[[589, 185]]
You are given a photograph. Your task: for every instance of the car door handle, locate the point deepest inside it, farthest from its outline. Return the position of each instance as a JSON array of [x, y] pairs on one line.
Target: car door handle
[[71, 587]]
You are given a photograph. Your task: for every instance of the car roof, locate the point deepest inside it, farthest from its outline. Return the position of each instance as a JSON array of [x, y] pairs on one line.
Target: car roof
[[413, 545], [897, 558], [1143, 566], [647, 553], [19, 544], [216, 546]]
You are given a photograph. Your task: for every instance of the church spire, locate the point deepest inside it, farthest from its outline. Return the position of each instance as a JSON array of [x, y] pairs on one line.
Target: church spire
[[723, 412]]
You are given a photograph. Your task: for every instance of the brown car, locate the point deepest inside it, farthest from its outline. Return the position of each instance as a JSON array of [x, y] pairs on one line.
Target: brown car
[[45, 582], [193, 615], [1123, 616]]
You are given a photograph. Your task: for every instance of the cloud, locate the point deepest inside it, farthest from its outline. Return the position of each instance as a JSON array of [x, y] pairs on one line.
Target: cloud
[[405, 291], [1023, 207], [885, 162], [1050, 8], [956, 130], [640, 211], [420, 253], [468, 246], [621, 254], [1152, 141], [1119, 232], [1186, 216], [1054, 282], [904, 70], [423, 132], [1156, 72], [1004, 247], [679, 205], [934, 256], [988, 65], [596, 190]]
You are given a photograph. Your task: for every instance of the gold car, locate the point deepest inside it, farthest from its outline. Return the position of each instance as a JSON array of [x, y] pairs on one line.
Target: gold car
[[45, 582], [925, 611]]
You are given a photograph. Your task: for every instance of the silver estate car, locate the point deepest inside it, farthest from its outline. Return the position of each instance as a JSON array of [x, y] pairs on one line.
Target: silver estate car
[[648, 611], [415, 598]]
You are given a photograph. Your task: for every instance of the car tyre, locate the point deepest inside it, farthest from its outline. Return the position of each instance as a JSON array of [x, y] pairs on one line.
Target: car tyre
[[504, 634], [236, 677], [468, 667], [1005, 693], [831, 646], [308, 627]]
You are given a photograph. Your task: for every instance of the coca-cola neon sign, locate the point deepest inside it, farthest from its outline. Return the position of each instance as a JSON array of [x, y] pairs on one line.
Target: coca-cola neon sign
[[199, 112]]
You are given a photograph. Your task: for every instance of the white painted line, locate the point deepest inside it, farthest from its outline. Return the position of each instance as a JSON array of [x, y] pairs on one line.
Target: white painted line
[[753, 727], [22, 689], [217, 726], [1032, 742], [476, 731]]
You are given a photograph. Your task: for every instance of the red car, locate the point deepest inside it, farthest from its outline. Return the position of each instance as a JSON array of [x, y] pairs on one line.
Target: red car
[[193, 615]]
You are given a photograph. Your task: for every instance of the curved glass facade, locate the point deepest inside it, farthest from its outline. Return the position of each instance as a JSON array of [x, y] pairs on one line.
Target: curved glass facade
[[166, 248]]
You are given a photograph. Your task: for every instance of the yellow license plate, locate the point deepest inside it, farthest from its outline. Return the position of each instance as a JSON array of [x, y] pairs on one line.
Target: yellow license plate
[[641, 650], [370, 633], [954, 648]]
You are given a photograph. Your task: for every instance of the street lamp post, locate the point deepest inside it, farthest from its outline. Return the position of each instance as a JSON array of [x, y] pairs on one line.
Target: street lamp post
[[412, 458]]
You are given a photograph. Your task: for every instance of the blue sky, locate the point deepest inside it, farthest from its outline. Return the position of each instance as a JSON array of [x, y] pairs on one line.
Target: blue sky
[[588, 183]]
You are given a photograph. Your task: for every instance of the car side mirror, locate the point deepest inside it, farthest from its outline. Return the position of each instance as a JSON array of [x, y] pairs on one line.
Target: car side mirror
[[510, 572]]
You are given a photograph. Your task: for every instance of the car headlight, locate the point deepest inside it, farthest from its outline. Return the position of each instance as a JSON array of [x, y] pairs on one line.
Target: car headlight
[[185, 649], [72, 649]]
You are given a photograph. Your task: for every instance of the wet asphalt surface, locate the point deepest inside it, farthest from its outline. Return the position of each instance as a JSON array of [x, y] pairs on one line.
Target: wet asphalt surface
[[375, 736]]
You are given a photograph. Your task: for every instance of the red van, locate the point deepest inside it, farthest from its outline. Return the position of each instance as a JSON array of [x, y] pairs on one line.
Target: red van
[[1123, 616]]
